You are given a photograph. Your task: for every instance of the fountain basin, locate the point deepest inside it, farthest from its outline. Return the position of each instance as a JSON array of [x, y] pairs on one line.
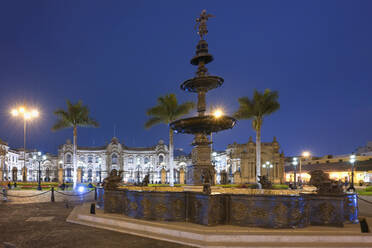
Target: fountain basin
[[265, 210], [203, 124]]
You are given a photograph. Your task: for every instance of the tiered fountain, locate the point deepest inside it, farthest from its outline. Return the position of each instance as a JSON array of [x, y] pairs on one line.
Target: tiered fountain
[[201, 170], [242, 207]]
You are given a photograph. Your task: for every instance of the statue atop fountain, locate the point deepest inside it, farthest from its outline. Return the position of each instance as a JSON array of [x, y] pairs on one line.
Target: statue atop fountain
[[202, 22]]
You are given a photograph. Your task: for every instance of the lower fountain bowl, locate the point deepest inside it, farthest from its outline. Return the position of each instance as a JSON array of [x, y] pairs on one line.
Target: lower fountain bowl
[[203, 124]]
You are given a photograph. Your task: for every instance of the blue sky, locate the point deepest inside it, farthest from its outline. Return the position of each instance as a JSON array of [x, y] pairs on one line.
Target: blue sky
[[119, 56]]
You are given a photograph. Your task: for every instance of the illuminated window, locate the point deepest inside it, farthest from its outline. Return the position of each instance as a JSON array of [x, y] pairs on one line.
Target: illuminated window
[[68, 158], [114, 159]]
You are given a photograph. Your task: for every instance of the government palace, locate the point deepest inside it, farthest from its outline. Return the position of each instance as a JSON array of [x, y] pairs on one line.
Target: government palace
[[95, 163]]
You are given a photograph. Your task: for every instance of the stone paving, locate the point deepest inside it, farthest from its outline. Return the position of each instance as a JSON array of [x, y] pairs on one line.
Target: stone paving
[[23, 226], [365, 208]]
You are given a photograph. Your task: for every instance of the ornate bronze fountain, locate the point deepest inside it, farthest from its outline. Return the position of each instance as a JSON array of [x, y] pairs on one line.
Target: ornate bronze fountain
[[240, 207], [202, 125]]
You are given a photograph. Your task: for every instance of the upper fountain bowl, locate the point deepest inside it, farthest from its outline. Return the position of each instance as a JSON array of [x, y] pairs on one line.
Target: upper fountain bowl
[[202, 83]]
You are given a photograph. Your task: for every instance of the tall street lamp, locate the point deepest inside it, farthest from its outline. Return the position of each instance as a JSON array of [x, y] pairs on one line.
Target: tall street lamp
[[100, 169], [305, 154], [352, 161], [267, 166], [39, 158], [27, 115], [295, 163]]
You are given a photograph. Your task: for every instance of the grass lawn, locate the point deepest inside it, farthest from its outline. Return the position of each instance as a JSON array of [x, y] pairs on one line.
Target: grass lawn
[[364, 192]]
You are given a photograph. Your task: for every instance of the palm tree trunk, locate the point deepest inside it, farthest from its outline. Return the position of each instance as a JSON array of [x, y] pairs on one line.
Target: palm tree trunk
[[74, 159], [171, 167], [258, 155]]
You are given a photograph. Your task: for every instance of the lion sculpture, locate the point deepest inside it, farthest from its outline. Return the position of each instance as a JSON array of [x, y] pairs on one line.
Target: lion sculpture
[[324, 184]]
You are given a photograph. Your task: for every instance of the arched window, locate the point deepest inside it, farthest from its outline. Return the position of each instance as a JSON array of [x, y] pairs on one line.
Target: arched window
[[90, 175], [146, 160], [68, 158], [130, 160], [47, 174], [90, 159], [161, 158], [114, 159]]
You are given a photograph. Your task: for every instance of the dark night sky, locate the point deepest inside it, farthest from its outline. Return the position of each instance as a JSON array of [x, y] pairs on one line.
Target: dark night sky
[[119, 56]]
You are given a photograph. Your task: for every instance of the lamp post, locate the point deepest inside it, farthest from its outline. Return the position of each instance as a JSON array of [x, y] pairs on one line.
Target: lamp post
[[352, 161], [305, 154], [100, 169], [138, 174], [27, 115], [268, 167], [39, 158], [295, 163]]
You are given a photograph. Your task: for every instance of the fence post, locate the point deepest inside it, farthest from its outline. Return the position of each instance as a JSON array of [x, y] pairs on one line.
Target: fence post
[[52, 195], [95, 193], [93, 208]]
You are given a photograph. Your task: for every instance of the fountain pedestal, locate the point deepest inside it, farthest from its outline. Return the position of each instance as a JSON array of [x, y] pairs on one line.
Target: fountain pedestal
[[201, 169]]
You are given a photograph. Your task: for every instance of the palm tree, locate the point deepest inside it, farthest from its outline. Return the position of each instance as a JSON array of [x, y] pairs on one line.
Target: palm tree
[[166, 111], [262, 104], [77, 115]]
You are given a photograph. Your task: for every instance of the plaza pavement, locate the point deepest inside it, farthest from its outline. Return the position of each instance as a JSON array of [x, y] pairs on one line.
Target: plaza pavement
[[41, 223], [365, 208], [44, 225]]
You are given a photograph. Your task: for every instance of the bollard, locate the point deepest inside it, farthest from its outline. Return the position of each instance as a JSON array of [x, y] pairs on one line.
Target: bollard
[[93, 208], [95, 193], [52, 195], [364, 225]]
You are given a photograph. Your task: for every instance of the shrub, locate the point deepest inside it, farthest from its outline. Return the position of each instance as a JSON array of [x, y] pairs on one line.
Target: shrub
[[280, 186]]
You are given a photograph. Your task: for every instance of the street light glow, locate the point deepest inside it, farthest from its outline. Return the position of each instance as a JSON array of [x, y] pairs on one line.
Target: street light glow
[[14, 112], [295, 162], [25, 113], [352, 158], [217, 113], [34, 113], [306, 154]]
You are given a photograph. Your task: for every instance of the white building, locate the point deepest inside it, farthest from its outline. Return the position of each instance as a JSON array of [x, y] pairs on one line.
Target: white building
[[94, 163]]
